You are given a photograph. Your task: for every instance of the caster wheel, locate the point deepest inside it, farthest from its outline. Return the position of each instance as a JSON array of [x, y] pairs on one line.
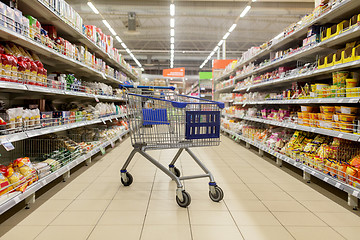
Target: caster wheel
[[129, 180], [177, 172], [218, 196], [186, 200]]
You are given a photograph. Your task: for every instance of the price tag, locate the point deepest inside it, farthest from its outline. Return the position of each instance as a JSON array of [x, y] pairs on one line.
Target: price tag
[[340, 135], [356, 193], [312, 172], [337, 185], [326, 179], [313, 130], [340, 100], [8, 146], [112, 144], [44, 182], [248, 89], [102, 150], [96, 99], [244, 105]]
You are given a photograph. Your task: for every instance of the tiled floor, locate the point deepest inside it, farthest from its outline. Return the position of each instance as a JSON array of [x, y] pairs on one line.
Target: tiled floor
[[261, 202]]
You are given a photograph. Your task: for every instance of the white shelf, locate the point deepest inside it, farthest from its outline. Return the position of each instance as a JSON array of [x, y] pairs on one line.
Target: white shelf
[[306, 52], [318, 174], [42, 131], [334, 14], [46, 15], [10, 86], [51, 56], [303, 101], [332, 133], [228, 88], [310, 74], [13, 199]]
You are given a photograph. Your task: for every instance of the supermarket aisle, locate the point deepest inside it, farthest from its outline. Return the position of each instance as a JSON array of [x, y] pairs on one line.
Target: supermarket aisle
[[261, 202]]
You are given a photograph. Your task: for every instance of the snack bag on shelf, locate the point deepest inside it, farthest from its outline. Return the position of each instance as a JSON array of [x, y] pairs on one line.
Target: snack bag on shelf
[[17, 180], [25, 167], [4, 184], [353, 175]]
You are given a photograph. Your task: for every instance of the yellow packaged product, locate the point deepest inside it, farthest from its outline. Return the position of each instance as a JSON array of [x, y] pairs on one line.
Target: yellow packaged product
[[24, 166], [17, 180]]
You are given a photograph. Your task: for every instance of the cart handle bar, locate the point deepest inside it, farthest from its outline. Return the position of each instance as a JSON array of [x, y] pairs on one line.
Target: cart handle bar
[[176, 104], [147, 87]]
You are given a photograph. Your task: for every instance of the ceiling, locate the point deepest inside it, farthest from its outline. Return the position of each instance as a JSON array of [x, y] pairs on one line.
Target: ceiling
[[199, 26]]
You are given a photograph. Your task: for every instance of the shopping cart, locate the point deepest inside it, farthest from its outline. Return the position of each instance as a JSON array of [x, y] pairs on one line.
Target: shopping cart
[[161, 119]]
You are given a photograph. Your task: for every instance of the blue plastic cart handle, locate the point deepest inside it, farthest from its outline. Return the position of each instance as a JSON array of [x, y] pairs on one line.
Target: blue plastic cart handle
[[147, 87]]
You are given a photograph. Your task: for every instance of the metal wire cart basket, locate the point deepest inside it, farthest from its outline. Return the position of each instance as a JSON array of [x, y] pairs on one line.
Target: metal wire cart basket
[[161, 119]]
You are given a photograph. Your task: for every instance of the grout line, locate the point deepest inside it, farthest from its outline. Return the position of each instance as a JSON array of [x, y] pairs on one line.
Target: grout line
[[147, 207], [287, 194]]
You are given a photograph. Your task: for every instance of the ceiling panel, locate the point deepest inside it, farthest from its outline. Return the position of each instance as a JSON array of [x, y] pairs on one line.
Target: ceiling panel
[[199, 25]]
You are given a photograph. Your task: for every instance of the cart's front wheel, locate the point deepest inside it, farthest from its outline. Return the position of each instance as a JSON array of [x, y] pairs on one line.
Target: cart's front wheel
[[128, 181], [218, 195], [186, 200]]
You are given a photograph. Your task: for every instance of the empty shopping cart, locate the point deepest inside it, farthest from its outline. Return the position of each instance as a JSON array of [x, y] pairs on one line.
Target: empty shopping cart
[[161, 119]]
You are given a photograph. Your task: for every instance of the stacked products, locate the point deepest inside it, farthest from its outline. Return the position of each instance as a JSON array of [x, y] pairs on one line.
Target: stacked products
[[51, 153]]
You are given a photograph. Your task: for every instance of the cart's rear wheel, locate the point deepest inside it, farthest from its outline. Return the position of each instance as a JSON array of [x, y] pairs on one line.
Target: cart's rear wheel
[[129, 180], [218, 195], [186, 200]]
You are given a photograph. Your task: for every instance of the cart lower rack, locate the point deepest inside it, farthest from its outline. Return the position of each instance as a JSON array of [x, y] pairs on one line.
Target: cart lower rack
[[161, 119]]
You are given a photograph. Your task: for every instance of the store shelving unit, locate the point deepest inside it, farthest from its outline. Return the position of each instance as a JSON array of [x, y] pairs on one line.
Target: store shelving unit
[[335, 14], [46, 15], [326, 132], [43, 131], [307, 171], [29, 195], [351, 100], [309, 54], [17, 93]]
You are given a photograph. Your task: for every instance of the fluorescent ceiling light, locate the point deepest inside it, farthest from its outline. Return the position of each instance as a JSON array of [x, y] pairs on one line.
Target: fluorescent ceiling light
[[253, 0], [245, 11], [172, 9], [226, 35], [93, 7], [172, 32], [172, 51], [123, 45], [208, 58], [232, 27], [172, 40], [109, 27], [142, 69], [131, 55], [172, 22], [106, 23], [119, 39], [128, 51], [220, 43], [216, 48], [172, 46], [201, 66], [112, 31], [212, 53]]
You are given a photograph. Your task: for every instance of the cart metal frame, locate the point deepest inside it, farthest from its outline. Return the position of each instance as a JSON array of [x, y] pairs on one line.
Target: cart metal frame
[[161, 119]]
